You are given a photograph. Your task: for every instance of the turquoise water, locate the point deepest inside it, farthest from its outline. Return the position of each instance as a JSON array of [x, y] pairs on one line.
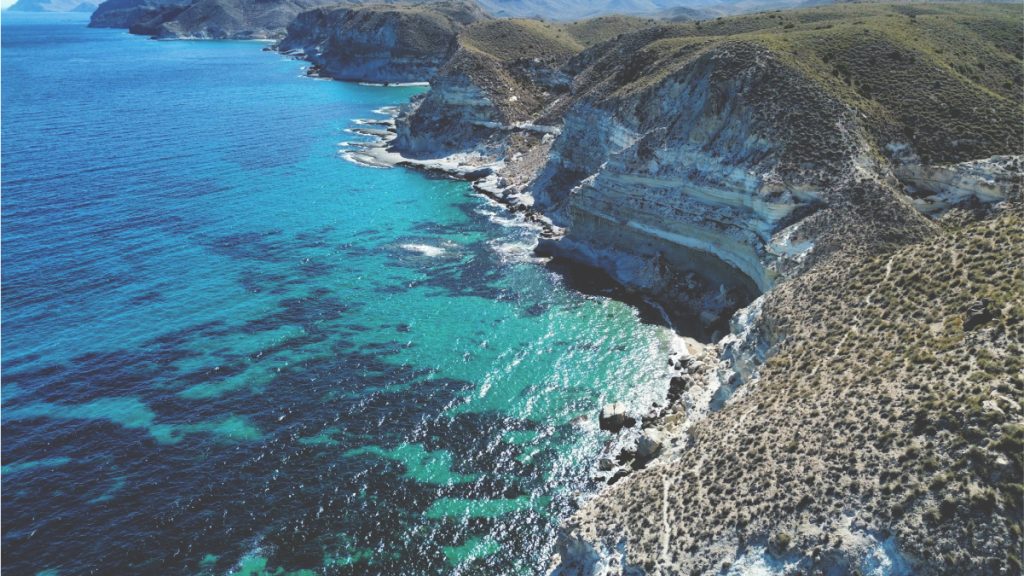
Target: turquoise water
[[226, 350]]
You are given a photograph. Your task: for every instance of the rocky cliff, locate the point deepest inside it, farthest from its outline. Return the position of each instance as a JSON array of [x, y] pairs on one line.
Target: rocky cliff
[[490, 96], [380, 43], [127, 13], [52, 6], [204, 19], [703, 182], [860, 413]]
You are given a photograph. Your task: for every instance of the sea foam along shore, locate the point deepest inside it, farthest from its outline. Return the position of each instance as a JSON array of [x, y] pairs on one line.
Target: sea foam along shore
[[483, 172]]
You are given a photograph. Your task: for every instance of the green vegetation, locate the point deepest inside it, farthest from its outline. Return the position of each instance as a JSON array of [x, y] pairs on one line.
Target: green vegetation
[[509, 40], [516, 39], [604, 28], [945, 78]]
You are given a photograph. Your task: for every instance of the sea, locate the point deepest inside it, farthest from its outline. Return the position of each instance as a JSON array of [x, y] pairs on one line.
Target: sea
[[228, 350]]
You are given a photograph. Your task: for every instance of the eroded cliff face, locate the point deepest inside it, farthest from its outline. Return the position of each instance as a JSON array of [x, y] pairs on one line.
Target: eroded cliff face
[[457, 115], [936, 189], [398, 43], [700, 187]]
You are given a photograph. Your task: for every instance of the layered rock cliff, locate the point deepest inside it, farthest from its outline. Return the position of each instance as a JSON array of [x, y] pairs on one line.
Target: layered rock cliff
[[497, 83], [701, 174], [380, 43]]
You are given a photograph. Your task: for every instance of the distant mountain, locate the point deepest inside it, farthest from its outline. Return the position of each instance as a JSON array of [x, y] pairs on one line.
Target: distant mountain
[[52, 6]]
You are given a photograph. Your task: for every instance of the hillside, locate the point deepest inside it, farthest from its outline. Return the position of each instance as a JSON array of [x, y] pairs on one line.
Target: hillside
[[922, 75], [884, 431], [861, 409]]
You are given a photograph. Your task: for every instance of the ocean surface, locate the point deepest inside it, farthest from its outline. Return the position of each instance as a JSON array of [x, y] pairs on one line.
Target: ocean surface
[[227, 350]]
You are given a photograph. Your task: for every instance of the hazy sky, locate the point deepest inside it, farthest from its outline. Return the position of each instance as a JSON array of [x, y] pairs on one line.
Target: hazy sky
[[6, 3]]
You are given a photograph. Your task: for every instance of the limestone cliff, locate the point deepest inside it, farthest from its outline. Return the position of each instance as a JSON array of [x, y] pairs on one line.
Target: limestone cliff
[[708, 174]]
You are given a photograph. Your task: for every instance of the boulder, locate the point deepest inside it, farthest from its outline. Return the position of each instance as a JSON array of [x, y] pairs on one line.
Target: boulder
[[614, 418], [679, 384], [651, 443], [977, 313]]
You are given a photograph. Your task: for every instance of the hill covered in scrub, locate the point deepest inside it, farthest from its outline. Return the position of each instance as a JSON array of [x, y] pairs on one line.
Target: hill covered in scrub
[[861, 411], [942, 78], [883, 433]]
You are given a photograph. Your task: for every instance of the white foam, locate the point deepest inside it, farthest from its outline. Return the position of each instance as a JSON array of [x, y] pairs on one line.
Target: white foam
[[362, 160], [757, 562], [424, 249], [394, 84], [512, 251]]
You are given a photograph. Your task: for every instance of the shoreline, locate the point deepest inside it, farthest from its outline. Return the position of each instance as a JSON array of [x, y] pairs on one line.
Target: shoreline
[[480, 172], [699, 373]]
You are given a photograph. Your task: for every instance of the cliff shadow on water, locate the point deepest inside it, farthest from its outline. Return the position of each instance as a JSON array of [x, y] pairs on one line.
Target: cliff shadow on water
[[720, 281]]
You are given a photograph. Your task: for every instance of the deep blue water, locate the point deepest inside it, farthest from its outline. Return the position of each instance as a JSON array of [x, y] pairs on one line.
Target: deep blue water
[[227, 350]]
